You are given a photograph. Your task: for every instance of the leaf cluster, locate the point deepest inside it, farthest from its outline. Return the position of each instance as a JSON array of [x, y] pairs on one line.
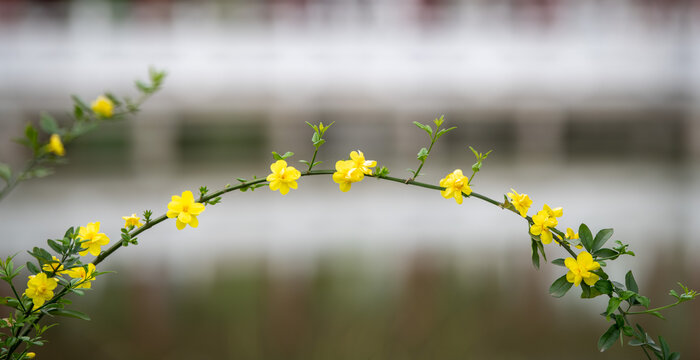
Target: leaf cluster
[[433, 135]]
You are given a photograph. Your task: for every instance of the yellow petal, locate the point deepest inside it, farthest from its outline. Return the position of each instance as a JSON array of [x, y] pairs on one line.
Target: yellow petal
[[284, 188], [196, 208], [194, 222], [179, 224], [187, 197], [546, 237], [184, 217], [591, 279], [571, 263]]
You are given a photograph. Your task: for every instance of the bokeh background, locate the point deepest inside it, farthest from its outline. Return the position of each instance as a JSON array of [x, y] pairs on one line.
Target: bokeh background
[[588, 105]]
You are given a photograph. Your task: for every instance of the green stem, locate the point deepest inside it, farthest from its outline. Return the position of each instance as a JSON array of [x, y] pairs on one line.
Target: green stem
[[204, 199], [313, 158], [654, 310], [422, 162]]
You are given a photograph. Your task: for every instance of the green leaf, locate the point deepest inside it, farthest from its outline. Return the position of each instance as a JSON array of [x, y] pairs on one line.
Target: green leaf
[[32, 268], [318, 143], [560, 287], [427, 128], [55, 246], [422, 154], [607, 254], [443, 131], [476, 153], [314, 127], [586, 237], [609, 338], [48, 124], [31, 136], [439, 121], [624, 295], [613, 304], [664, 347], [636, 342], [559, 262], [281, 157], [604, 286], [601, 238], [588, 292], [41, 254], [658, 315], [630, 283], [70, 313], [5, 172], [643, 300], [535, 254]]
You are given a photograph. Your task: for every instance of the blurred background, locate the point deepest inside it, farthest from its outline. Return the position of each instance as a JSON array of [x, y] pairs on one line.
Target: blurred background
[[588, 105]]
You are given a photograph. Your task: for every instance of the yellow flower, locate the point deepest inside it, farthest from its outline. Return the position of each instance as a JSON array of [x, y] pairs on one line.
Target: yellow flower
[[554, 213], [93, 239], [40, 288], [185, 209], [132, 220], [521, 202], [86, 275], [455, 183], [55, 145], [103, 106], [570, 235], [347, 173], [359, 162], [54, 266], [283, 177], [30, 355], [541, 224], [580, 269]]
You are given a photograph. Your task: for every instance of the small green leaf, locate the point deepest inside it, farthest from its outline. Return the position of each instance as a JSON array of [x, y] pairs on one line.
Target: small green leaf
[[560, 287], [281, 157], [427, 128], [658, 315], [636, 342], [48, 124], [33, 268], [422, 154], [609, 338], [535, 254], [5, 172], [613, 304], [604, 286], [630, 283], [601, 238], [439, 121], [588, 292], [664, 347], [643, 300], [476, 153], [55, 246], [586, 237], [624, 295], [443, 131], [559, 262], [70, 313], [607, 254], [312, 126]]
